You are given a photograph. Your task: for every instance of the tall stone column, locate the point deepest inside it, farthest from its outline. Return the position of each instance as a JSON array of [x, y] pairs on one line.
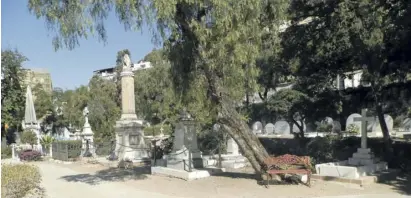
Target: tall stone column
[[129, 129], [128, 108]]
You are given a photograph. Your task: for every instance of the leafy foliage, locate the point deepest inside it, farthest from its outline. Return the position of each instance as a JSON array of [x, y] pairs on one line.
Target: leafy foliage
[[12, 91], [18, 180], [6, 152], [42, 102], [29, 137], [155, 97], [30, 155], [103, 108], [290, 104], [46, 141]]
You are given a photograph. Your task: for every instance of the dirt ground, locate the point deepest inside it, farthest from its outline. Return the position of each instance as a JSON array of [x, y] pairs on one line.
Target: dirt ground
[[234, 183]]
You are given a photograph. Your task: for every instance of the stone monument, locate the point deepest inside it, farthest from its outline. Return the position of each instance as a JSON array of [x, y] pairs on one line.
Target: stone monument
[[30, 120], [87, 136], [364, 156], [363, 163], [130, 143]]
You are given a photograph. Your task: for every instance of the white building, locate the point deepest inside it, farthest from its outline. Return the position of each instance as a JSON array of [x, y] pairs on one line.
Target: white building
[[110, 73]]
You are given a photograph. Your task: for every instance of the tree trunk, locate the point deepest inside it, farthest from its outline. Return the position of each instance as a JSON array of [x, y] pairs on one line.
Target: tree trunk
[[385, 132], [249, 143], [298, 135]]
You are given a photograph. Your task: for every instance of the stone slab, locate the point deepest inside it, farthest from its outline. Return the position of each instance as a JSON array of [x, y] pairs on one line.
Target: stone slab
[[363, 155], [364, 151], [188, 176], [361, 162], [342, 170], [365, 180]]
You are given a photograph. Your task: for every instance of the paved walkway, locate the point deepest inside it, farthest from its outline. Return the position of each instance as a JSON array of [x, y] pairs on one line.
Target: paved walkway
[[56, 187]]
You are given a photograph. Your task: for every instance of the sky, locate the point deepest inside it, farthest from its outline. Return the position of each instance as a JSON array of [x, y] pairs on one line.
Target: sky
[[69, 69]]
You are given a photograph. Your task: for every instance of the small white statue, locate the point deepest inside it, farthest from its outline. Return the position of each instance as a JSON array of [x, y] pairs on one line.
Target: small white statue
[[85, 113], [126, 61]]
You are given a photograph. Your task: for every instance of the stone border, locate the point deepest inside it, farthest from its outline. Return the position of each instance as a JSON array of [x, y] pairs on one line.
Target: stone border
[[362, 181]]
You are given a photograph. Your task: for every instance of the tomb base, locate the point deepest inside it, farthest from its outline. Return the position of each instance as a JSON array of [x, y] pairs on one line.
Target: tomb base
[[130, 143], [228, 161]]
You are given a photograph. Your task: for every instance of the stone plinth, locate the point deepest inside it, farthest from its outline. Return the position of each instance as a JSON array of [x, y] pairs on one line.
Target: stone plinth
[[130, 142], [363, 157], [344, 170], [363, 163], [171, 172], [227, 161]]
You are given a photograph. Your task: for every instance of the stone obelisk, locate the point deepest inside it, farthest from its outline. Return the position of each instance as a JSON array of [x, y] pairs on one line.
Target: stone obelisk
[[130, 144]]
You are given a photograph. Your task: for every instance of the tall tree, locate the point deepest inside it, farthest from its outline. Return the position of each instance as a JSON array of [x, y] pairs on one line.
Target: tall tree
[[155, 98], [12, 90], [102, 104], [212, 47], [43, 102], [344, 36]]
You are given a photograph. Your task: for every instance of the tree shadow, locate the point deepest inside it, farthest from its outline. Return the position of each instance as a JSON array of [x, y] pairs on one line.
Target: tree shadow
[[401, 183], [111, 175], [241, 175]]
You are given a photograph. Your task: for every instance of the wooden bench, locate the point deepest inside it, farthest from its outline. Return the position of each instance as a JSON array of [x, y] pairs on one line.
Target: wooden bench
[[294, 164], [289, 171]]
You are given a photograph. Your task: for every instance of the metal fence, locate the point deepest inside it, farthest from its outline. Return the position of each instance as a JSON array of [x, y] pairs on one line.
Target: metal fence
[[65, 151]]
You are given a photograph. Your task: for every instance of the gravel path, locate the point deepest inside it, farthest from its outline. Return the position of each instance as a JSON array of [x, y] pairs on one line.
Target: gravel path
[[92, 180], [56, 187]]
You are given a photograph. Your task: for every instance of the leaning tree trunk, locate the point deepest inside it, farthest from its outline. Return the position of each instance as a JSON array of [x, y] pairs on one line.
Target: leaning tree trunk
[[249, 143], [385, 132]]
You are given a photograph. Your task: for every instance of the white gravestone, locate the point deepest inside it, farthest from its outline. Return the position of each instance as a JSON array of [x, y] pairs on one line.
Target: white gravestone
[[388, 121], [296, 129], [269, 128], [232, 147], [406, 124], [328, 120], [282, 127], [257, 128], [350, 120]]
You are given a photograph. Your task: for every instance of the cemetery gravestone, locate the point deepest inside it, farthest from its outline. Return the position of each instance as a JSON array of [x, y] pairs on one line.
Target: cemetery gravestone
[[282, 127], [328, 120], [350, 120], [257, 128], [232, 147], [388, 120], [269, 128], [296, 129], [406, 124]]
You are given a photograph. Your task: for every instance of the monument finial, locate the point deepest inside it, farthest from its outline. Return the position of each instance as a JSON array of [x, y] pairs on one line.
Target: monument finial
[[126, 61]]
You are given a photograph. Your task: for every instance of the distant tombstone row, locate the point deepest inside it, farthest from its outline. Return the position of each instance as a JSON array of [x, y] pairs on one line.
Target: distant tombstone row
[[282, 127], [372, 126]]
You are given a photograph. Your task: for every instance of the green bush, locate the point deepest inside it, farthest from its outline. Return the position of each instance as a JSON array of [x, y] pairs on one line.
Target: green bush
[[6, 152], [18, 180], [29, 137], [73, 147]]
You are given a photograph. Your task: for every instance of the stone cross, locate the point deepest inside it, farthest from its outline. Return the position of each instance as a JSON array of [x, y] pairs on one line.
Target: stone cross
[[364, 119]]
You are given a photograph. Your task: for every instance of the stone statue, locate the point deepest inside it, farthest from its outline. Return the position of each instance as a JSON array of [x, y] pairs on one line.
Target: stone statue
[[85, 113], [126, 61]]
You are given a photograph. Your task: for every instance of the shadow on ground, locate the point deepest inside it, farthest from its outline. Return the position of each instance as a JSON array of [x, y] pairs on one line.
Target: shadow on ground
[[110, 174], [401, 183], [239, 175]]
